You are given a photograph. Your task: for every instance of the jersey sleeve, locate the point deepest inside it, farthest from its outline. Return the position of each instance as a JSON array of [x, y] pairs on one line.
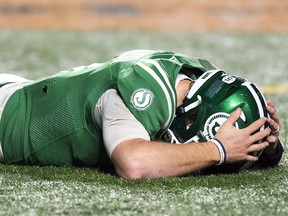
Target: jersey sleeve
[[117, 122], [148, 90]]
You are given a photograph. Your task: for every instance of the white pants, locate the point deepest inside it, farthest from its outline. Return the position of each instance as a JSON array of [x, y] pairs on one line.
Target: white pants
[[15, 82]]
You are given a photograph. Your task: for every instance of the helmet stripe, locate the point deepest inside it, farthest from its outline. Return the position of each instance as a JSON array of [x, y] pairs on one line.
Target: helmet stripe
[[200, 81], [257, 99], [171, 103]]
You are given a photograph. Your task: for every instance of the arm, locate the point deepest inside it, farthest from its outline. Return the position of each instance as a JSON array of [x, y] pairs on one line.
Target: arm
[[137, 158]]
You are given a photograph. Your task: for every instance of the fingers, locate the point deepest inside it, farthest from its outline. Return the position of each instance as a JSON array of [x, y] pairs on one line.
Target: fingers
[[240, 143], [260, 135], [234, 116], [275, 130], [272, 139], [269, 102], [273, 122], [251, 158], [251, 128], [256, 125], [257, 147], [246, 155], [272, 111], [275, 127]]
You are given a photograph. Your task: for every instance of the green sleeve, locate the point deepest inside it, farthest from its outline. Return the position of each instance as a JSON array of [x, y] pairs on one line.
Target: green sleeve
[[148, 90]]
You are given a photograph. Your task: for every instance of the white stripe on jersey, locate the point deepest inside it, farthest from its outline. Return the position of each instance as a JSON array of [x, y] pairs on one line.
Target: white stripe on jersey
[[171, 104], [164, 75]]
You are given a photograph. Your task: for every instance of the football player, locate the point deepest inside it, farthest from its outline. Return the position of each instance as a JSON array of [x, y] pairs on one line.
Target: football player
[[129, 112]]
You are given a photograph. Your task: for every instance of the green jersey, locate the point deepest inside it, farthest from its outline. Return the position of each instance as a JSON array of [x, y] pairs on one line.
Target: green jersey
[[51, 121]]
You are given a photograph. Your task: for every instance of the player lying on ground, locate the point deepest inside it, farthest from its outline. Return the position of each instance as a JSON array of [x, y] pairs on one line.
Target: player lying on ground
[[115, 114]]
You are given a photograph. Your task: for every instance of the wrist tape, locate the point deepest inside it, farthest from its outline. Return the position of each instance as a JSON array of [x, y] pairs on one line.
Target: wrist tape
[[221, 149]]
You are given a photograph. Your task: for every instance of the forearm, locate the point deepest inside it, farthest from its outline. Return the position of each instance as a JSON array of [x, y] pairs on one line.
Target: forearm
[[143, 159]]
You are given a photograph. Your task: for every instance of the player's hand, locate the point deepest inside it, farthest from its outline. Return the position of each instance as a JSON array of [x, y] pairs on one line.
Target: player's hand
[[240, 142], [275, 126]]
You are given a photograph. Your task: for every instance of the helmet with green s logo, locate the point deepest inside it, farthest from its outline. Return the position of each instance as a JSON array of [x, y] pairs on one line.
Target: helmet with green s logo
[[208, 104]]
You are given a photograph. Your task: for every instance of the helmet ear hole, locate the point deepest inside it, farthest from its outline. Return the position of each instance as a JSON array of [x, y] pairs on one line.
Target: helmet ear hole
[[167, 136]]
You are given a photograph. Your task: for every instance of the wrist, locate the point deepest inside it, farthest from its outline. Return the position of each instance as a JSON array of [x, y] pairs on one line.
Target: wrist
[[272, 148], [272, 159], [221, 149]]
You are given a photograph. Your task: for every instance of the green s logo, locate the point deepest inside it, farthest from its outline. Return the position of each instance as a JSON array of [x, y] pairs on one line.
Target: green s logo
[[142, 98]]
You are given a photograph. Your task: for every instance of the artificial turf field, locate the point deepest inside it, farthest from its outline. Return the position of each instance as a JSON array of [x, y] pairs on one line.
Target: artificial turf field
[[261, 58]]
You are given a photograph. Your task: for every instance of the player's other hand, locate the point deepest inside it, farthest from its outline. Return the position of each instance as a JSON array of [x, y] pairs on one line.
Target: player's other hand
[[275, 126]]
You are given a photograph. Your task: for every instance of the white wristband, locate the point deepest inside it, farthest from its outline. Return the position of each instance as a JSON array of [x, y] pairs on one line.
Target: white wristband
[[221, 149]]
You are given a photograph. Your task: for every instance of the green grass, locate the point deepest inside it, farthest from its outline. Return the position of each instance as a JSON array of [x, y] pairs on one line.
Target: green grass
[[72, 191], [262, 58]]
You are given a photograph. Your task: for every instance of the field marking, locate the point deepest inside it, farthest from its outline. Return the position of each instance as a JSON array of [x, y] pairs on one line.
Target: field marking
[[272, 89]]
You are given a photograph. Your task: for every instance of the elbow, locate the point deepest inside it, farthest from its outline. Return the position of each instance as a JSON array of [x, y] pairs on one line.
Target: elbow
[[131, 168], [131, 161]]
